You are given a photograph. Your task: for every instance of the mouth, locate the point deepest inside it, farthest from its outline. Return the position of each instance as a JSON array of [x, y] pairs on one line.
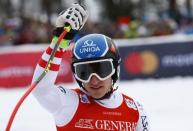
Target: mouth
[[96, 87]]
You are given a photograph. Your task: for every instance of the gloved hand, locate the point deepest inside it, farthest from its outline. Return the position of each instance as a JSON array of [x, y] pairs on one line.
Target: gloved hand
[[75, 16]]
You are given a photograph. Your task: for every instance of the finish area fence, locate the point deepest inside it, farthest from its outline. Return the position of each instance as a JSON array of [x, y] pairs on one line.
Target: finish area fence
[[157, 57], [143, 58]]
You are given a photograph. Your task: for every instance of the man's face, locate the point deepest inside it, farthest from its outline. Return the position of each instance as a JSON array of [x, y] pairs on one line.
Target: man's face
[[97, 88]]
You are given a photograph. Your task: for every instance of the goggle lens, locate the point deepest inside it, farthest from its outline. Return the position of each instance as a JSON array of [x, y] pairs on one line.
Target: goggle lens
[[103, 68]]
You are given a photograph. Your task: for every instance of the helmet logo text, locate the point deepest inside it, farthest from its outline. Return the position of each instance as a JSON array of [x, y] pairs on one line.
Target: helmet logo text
[[89, 46], [88, 43]]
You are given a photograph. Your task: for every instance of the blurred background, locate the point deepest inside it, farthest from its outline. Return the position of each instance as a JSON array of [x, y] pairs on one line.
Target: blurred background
[[22, 19], [155, 40]]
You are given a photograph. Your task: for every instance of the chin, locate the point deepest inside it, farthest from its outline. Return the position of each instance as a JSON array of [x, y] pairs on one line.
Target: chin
[[97, 96]]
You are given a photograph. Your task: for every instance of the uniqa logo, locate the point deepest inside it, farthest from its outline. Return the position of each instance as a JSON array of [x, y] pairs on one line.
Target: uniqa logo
[[88, 43], [89, 46]]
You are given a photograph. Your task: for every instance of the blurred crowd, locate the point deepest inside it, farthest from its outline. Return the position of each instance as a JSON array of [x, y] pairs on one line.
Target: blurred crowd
[[16, 31]]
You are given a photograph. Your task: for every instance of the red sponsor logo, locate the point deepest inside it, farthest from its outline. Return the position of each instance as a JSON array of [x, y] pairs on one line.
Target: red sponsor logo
[[84, 123], [106, 125]]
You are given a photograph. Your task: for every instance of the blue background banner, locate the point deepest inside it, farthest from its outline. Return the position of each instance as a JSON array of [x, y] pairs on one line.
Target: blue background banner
[[157, 60]]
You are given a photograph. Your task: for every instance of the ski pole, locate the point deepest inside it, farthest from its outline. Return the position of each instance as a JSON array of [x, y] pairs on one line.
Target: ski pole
[[33, 85]]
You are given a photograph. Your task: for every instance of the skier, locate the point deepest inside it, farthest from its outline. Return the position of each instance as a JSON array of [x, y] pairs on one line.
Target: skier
[[96, 105]]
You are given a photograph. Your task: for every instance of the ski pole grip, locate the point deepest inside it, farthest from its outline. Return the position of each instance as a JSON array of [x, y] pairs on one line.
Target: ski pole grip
[[66, 30]]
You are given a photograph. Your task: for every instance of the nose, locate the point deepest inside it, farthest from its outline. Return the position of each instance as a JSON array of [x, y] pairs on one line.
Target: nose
[[94, 80]]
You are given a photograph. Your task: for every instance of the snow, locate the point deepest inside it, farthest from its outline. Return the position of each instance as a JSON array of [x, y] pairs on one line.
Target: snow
[[168, 103]]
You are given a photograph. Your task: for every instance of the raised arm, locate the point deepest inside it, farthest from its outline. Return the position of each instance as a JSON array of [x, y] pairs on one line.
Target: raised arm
[[48, 95]]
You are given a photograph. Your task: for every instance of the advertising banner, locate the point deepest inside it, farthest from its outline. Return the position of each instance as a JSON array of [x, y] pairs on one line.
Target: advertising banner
[[157, 60], [17, 68]]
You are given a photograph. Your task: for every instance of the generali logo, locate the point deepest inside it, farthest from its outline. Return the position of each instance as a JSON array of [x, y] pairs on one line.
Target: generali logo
[[84, 123], [106, 125]]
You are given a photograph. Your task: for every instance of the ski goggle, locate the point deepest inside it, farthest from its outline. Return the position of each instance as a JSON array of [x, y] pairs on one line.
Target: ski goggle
[[103, 69]]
